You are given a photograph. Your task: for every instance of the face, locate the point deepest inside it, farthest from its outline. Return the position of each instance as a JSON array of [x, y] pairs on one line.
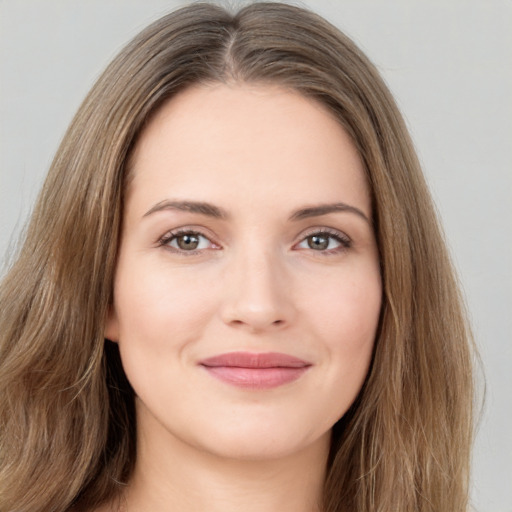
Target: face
[[248, 291]]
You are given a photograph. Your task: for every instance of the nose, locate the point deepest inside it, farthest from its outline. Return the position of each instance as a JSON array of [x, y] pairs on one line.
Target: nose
[[258, 294]]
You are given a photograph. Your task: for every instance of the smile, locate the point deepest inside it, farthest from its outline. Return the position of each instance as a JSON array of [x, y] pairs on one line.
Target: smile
[[256, 371]]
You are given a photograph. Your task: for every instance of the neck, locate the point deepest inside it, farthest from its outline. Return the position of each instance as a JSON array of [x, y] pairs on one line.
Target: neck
[[172, 475]]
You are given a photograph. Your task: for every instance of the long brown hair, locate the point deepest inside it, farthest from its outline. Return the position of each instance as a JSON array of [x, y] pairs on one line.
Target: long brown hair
[[67, 428]]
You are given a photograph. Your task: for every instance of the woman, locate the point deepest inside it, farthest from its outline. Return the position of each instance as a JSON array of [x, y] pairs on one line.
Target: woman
[[234, 293]]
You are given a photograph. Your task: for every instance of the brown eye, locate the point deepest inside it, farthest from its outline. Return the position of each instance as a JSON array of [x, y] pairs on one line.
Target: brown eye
[[187, 242], [326, 242], [318, 242]]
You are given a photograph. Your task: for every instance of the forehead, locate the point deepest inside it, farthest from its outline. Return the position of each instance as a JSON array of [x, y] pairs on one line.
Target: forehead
[[254, 141]]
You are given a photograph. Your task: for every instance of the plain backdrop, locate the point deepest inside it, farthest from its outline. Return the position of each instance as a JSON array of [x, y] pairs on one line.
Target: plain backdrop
[[448, 63]]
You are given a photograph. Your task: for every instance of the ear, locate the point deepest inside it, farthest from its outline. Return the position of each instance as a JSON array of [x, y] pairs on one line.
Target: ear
[[112, 325]]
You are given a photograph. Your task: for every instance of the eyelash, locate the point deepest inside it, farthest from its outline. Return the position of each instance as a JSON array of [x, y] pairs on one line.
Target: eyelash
[[344, 241], [172, 235], [340, 237]]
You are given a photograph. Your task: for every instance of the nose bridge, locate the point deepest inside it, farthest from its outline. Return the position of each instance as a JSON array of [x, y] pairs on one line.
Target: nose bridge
[[256, 289]]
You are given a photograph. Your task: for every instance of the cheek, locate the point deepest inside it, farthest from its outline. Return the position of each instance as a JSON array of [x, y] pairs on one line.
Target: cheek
[[160, 313], [157, 305], [347, 317], [349, 307], [159, 320]]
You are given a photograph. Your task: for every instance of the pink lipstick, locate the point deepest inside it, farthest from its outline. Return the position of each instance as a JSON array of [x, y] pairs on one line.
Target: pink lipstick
[[256, 371]]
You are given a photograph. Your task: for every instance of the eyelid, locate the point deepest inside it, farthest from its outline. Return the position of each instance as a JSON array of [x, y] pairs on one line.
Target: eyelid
[[168, 236], [340, 236], [163, 241]]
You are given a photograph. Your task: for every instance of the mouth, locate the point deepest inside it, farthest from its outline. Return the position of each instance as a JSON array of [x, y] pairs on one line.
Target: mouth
[[255, 370]]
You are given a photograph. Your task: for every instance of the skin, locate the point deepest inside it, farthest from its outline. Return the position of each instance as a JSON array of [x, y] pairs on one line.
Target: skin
[[258, 281]]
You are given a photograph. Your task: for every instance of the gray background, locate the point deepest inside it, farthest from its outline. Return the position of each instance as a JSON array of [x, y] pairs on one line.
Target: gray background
[[448, 64]]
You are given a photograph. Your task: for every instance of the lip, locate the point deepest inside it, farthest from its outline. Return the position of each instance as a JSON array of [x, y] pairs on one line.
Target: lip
[[255, 370]]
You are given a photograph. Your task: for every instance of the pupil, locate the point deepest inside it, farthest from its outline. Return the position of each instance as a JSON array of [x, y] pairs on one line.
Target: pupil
[[188, 242], [318, 242]]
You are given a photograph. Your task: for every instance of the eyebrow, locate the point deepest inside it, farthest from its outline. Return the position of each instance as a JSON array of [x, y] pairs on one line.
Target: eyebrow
[[189, 206], [324, 209], [211, 210]]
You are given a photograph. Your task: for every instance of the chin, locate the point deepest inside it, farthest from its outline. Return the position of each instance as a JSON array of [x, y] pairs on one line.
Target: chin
[[257, 442]]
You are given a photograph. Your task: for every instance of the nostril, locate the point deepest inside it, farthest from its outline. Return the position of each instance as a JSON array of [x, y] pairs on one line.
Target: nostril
[[256, 324]]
